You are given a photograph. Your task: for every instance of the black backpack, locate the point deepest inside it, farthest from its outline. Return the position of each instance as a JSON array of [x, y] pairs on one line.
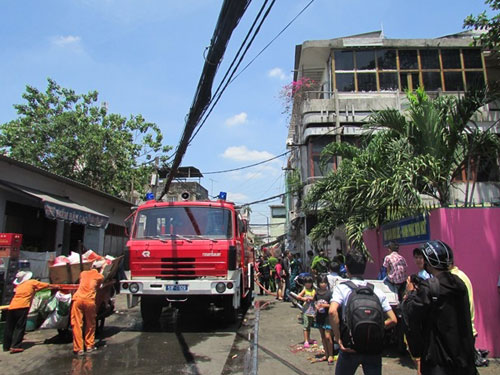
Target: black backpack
[[363, 320]]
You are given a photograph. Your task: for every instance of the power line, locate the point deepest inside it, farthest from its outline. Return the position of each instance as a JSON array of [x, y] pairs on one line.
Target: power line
[[229, 17], [258, 54], [272, 40], [219, 95], [248, 166]]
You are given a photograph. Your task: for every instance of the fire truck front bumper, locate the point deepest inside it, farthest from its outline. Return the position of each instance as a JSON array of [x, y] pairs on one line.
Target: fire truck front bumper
[[179, 287]]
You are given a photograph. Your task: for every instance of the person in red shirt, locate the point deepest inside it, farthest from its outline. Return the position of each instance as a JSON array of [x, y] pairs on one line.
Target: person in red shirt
[[17, 314], [84, 308], [396, 270]]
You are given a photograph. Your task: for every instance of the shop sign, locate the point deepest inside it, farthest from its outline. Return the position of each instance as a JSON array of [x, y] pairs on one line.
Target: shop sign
[[407, 231], [60, 212]]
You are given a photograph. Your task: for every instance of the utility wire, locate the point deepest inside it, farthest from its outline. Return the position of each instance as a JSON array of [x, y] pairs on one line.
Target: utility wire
[[219, 95], [229, 17], [248, 166], [272, 40], [258, 54]]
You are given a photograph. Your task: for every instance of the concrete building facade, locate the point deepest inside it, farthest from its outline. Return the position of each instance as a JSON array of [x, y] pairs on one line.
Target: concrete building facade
[[359, 74]]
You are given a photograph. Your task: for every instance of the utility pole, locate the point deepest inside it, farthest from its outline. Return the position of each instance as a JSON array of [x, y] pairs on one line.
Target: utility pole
[[154, 177]]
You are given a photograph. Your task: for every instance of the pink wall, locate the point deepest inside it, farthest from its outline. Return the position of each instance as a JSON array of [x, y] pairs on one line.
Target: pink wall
[[474, 236]]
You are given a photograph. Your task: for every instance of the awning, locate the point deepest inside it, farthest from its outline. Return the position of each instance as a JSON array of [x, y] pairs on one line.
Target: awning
[[61, 208]]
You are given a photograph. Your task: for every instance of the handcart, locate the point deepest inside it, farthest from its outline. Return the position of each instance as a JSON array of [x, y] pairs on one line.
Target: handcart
[[104, 300], [104, 294]]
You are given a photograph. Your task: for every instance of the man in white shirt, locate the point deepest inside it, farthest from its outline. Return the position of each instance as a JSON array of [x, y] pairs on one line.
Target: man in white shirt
[[349, 359]]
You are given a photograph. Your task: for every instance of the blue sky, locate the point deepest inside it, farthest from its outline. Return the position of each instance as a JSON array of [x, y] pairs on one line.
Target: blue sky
[[145, 57]]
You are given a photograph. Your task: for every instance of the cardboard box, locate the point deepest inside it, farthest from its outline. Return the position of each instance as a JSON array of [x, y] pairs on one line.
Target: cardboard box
[[68, 273], [111, 269]]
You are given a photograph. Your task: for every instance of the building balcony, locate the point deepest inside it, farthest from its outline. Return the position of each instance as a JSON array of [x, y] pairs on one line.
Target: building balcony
[[320, 107]]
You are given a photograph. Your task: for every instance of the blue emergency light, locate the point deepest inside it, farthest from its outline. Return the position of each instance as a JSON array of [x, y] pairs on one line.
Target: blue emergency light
[[222, 195], [150, 196]]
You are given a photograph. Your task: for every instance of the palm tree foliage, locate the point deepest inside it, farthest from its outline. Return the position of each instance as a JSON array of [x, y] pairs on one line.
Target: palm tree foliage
[[405, 155]]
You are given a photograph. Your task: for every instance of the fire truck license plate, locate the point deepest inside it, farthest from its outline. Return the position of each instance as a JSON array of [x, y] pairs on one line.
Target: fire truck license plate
[[177, 288]]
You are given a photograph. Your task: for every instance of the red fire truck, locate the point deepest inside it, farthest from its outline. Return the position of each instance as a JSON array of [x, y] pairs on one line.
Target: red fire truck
[[188, 252]]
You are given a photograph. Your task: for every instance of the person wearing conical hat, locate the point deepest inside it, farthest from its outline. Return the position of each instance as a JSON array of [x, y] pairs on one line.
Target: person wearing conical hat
[[17, 314]]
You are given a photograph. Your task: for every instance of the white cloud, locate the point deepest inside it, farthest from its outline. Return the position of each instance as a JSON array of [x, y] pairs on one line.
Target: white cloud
[[278, 73], [66, 41], [242, 153], [240, 118], [237, 197]]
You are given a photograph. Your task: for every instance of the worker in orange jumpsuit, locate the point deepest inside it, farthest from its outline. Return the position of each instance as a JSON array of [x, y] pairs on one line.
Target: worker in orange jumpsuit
[[84, 308], [17, 314]]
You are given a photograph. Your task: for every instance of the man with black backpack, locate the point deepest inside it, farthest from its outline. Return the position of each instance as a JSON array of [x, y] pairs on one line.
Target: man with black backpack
[[359, 326], [437, 315]]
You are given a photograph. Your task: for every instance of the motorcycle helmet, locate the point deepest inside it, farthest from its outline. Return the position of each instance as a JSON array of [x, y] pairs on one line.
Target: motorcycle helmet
[[437, 254]]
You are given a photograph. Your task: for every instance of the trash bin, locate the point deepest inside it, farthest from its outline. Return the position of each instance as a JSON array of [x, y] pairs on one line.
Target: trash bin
[[32, 322]]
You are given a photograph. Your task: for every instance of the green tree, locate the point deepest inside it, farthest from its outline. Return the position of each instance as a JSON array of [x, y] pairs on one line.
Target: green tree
[[443, 128], [491, 25], [373, 185], [74, 136]]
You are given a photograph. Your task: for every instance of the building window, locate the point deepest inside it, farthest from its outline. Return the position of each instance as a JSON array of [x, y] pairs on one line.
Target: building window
[[365, 60], [472, 59], [316, 145], [429, 58], [278, 212], [408, 59], [386, 59], [474, 80], [446, 69], [388, 81], [367, 82], [345, 81], [344, 60], [431, 81], [451, 58], [453, 81]]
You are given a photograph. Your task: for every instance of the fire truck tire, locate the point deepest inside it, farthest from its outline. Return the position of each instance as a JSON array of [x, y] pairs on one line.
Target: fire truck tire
[[151, 307]]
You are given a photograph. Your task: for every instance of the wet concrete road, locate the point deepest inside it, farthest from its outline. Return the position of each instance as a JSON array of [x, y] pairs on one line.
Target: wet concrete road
[[197, 344]]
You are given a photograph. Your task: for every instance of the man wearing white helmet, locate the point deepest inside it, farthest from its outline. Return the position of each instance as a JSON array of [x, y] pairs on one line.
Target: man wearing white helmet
[[17, 314], [438, 317], [84, 308]]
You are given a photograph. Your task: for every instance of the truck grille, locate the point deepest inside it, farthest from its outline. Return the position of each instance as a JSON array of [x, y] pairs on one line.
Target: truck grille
[[178, 268], [181, 268]]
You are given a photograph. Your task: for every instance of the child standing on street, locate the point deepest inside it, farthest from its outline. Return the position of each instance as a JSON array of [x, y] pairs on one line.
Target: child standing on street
[[322, 299], [307, 296]]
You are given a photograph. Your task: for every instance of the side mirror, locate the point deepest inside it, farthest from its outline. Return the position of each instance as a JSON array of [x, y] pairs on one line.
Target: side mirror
[[128, 224]]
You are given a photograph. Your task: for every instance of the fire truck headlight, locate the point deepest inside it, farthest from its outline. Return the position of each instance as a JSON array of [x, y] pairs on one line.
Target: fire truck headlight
[[230, 285], [134, 288], [125, 285], [220, 287]]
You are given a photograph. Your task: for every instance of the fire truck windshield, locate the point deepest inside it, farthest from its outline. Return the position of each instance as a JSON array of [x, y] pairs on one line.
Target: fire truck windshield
[[188, 222]]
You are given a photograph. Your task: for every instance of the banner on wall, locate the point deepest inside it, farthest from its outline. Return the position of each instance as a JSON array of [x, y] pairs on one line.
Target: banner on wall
[[407, 231]]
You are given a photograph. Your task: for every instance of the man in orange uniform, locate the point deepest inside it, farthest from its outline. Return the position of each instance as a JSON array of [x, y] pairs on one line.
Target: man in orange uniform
[[18, 310], [84, 308]]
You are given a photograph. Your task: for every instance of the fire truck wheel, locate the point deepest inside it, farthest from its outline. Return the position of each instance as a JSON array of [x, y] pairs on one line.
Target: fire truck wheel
[[151, 307]]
